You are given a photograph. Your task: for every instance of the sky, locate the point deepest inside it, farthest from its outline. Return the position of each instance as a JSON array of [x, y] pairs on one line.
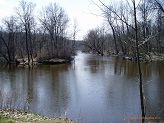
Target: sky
[[81, 10]]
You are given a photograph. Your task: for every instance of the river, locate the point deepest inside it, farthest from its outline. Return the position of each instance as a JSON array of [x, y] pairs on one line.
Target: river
[[92, 89]]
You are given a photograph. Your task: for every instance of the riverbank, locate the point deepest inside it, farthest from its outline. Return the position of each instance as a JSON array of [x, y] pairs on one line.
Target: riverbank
[[50, 61], [145, 57], [19, 116], [150, 57]]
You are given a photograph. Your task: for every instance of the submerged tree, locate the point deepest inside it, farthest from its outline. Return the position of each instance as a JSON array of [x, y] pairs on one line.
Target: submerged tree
[[95, 41]]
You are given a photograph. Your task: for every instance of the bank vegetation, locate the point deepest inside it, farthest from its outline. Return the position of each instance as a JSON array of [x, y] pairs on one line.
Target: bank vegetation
[[26, 37], [20, 116], [136, 30], [117, 33]]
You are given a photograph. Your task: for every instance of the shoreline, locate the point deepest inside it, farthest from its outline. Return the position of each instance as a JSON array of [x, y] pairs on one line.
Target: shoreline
[[144, 57], [20, 116]]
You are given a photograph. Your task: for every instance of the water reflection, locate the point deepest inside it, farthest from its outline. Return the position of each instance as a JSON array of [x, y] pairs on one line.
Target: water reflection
[[129, 68], [52, 83], [94, 88]]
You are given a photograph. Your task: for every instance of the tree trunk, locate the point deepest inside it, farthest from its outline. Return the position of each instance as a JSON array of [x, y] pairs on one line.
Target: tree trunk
[[138, 63], [114, 38], [27, 45]]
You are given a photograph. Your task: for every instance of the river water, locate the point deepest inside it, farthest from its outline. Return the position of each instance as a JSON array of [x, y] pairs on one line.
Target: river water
[[92, 89]]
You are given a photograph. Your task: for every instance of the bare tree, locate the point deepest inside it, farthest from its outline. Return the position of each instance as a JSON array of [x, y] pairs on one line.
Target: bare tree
[[95, 41], [159, 4], [121, 31], [138, 61], [7, 37], [25, 15], [28, 40], [159, 30], [75, 31], [135, 28], [54, 20], [145, 9], [110, 20]]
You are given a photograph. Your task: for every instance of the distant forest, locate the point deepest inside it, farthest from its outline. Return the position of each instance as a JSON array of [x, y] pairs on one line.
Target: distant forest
[[117, 34], [25, 36]]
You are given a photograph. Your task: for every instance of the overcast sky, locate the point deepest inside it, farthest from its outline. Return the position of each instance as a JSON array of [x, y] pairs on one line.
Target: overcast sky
[[76, 9]]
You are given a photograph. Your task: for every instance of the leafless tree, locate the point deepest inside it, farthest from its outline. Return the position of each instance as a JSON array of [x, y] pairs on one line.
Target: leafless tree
[[159, 4], [145, 10], [116, 15], [138, 61], [29, 39], [7, 37], [75, 31], [158, 26], [111, 20], [95, 41], [54, 19], [25, 14]]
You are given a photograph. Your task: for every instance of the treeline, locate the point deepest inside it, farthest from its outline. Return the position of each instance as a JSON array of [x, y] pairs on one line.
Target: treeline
[[30, 37], [117, 35]]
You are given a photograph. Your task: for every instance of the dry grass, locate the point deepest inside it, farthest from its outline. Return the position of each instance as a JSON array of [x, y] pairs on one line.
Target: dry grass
[[19, 116], [9, 115]]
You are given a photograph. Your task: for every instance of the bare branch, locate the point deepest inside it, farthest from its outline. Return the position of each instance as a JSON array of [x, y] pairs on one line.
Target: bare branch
[[115, 13], [159, 5]]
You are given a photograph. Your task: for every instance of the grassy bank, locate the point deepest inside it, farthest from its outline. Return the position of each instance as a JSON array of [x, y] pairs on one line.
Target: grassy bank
[[19, 116]]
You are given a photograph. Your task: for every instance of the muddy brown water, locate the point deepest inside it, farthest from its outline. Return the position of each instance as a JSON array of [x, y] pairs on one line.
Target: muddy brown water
[[93, 89]]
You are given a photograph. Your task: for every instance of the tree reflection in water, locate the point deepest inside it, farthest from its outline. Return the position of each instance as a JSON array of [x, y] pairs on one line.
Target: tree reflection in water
[[94, 88]]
